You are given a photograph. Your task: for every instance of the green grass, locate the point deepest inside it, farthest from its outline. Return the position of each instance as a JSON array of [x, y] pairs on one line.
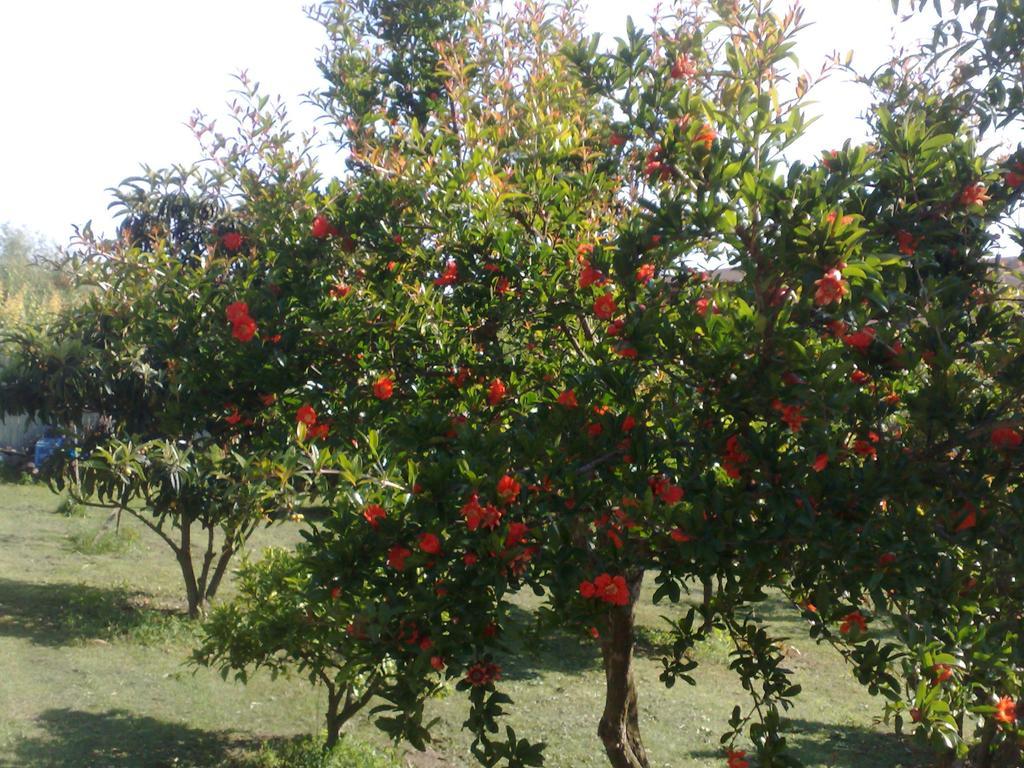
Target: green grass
[[307, 752], [92, 674], [103, 541]]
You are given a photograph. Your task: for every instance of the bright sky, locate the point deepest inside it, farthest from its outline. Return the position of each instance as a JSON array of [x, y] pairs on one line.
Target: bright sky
[[90, 90]]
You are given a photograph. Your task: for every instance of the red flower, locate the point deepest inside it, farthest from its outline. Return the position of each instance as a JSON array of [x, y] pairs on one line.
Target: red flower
[[590, 276], [436, 662], [430, 544], [306, 415], [654, 167], [941, 673], [838, 328], [702, 306], [1014, 179], [481, 517], [793, 415], [864, 448], [851, 620], [830, 288], [670, 493], [832, 216], [907, 242], [858, 376], [496, 391], [736, 759], [383, 388], [628, 423], [237, 311], [582, 251], [656, 483], [734, 457], [679, 536], [232, 241], [587, 589], [1006, 438], [1006, 711], [396, 557], [339, 291], [860, 340], [450, 274], [244, 329], [645, 273], [373, 514], [604, 306], [568, 399], [820, 462], [516, 534], [974, 194], [470, 559], [594, 430], [502, 285], [611, 589], [321, 228], [234, 416], [887, 559], [508, 489], [319, 432], [684, 66], [483, 673], [706, 136]]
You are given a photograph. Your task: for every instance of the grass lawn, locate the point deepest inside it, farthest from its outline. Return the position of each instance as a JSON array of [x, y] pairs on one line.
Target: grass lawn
[[92, 674]]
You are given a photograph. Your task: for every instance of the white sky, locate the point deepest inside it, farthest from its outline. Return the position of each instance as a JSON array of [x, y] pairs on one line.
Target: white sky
[[89, 90]]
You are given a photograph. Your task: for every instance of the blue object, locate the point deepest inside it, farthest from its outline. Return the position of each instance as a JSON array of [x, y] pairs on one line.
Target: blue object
[[45, 447]]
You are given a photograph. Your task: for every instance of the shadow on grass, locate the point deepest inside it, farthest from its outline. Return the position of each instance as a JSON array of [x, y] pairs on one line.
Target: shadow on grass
[[118, 739], [824, 745], [547, 648], [62, 613]]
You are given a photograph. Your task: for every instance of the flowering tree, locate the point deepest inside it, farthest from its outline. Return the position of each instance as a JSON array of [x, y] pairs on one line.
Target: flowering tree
[[512, 304], [523, 313]]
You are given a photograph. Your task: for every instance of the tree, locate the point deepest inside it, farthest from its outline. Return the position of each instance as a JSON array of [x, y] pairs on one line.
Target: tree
[[510, 364], [976, 47], [272, 624], [158, 351], [29, 292], [526, 323]]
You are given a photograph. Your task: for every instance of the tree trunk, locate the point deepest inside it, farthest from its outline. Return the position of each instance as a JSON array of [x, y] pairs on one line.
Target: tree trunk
[[620, 724], [334, 720], [219, 570], [196, 602]]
